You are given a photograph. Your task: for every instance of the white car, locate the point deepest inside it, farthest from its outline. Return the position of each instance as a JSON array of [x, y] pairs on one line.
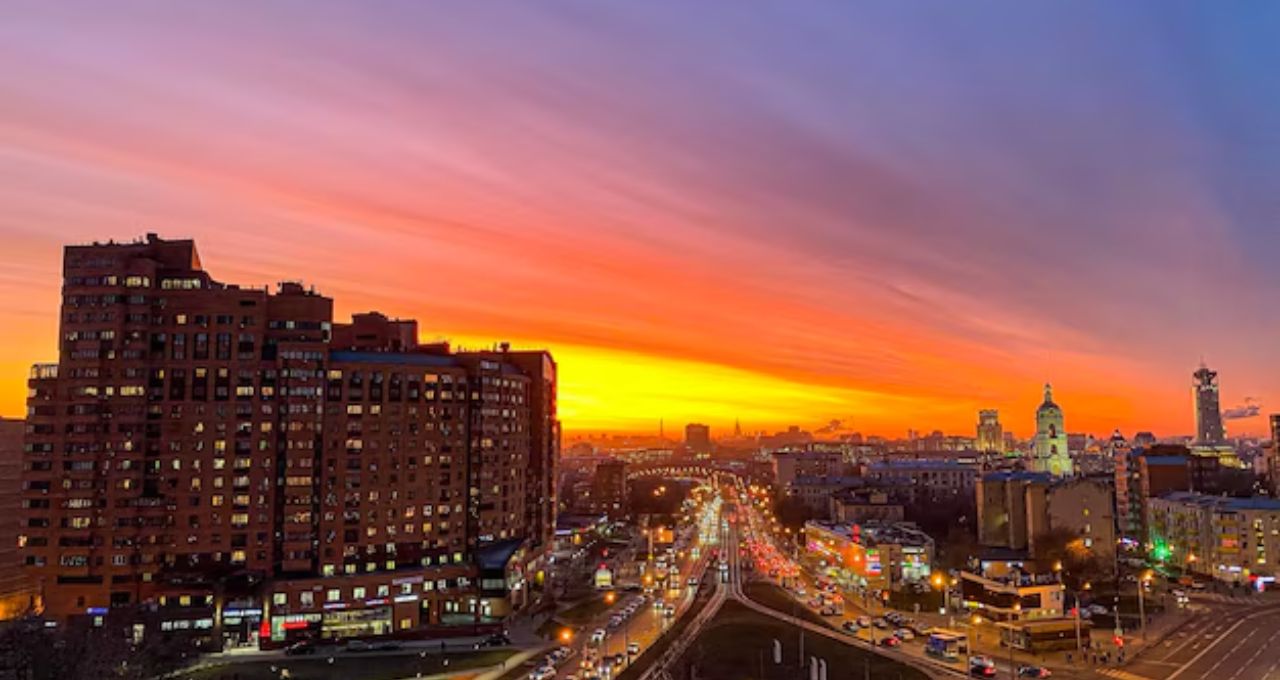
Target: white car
[[544, 673], [904, 634], [864, 621], [598, 636]]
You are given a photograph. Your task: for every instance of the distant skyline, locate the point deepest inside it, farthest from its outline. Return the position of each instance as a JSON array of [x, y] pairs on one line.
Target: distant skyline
[[888, 213]]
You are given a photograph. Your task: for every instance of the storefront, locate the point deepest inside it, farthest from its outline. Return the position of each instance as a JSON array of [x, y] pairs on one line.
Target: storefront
[[368, 622]]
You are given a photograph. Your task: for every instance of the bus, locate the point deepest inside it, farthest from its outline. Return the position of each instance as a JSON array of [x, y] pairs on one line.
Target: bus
[[948, 645]]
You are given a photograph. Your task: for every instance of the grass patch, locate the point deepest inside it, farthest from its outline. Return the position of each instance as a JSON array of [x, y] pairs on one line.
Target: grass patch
[[738, 640], [777, 599], [347, 665]]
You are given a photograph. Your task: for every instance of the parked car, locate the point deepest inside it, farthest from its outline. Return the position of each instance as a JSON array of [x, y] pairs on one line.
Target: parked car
[[864, 621], [300, 648], [357, 646], [543, 673], [890, 641], [850, 627], [1033, 672], [496, 640], [633, 649], [904, 634]]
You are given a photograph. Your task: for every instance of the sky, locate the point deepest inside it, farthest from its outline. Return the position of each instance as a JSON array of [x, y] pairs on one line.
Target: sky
[[892, 214]]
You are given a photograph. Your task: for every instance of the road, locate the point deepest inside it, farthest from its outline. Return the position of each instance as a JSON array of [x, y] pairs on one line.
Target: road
[[1223, 641]]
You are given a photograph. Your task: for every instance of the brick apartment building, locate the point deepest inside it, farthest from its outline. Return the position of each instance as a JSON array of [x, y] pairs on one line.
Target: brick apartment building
[[246, 469]]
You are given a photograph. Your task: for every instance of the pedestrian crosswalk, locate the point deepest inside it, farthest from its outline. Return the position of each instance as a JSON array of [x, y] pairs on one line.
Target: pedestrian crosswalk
[[1121, 674]]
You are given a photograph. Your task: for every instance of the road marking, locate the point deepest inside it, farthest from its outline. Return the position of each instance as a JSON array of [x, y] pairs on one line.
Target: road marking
[[1204, 651]]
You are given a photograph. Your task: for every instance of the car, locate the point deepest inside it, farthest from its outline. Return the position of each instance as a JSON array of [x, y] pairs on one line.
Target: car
[[889, 641], [982, 667], [693, 581], [633, 649], [385, 646], [618, 660], [864, 621], [496, 640], [1033, 672], [598, 636], [300, 648], [542, 673], [1178, 593], [357, 646], [904, 634], [1198, 585], [669, 610], [850, 627], [1098, 609], [881, 624]]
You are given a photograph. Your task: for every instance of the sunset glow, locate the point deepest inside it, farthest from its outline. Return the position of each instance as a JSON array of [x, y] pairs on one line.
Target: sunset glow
[[816, 224]]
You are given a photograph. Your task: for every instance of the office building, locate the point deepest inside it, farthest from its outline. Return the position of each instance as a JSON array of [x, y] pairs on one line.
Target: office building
[[1209, 430], [990, 433], [697, 438], [1049, 450], [250, 470]]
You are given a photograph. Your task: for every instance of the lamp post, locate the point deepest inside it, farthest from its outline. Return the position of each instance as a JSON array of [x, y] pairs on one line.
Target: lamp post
[[1017, 615], [1142, 613]]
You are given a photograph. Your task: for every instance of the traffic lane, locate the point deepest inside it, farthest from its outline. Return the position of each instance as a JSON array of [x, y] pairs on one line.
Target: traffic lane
[[1244, 650]]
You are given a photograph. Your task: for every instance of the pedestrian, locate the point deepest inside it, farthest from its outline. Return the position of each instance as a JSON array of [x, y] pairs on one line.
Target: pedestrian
[[1068, 658]]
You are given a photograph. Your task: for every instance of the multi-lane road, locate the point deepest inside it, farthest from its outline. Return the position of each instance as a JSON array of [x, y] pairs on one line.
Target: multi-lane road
[[1222, 641]]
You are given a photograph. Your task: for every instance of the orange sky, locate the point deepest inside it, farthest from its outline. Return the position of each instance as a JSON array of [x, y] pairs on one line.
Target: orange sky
[[699, 231]]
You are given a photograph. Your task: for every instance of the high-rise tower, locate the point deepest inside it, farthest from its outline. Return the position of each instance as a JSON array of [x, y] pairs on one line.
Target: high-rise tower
[[1209, 428]]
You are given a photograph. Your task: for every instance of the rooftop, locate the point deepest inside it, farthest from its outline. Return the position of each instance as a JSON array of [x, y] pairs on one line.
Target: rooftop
[[1223, 503]]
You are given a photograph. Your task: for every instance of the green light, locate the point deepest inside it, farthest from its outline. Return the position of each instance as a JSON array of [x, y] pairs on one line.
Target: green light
[[1161, 551]]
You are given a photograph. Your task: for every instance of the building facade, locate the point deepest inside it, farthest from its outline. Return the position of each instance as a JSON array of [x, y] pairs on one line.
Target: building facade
[[1204, 390], [17, 596], [697, 438], [609, 488], [1019, 510], [990, 433], [1230, 539], [202, 448], [1049, 451], [871, 555]]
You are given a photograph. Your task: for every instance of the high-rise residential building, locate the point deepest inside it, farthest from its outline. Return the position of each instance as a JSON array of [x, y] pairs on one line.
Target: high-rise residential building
[[17, 596], [609, 488], [250, 470], [990, 433], [1209, 430], [1049, 451], [697, 437]]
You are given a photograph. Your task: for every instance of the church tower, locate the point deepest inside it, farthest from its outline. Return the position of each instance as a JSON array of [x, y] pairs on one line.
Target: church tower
[[1050, 450]]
